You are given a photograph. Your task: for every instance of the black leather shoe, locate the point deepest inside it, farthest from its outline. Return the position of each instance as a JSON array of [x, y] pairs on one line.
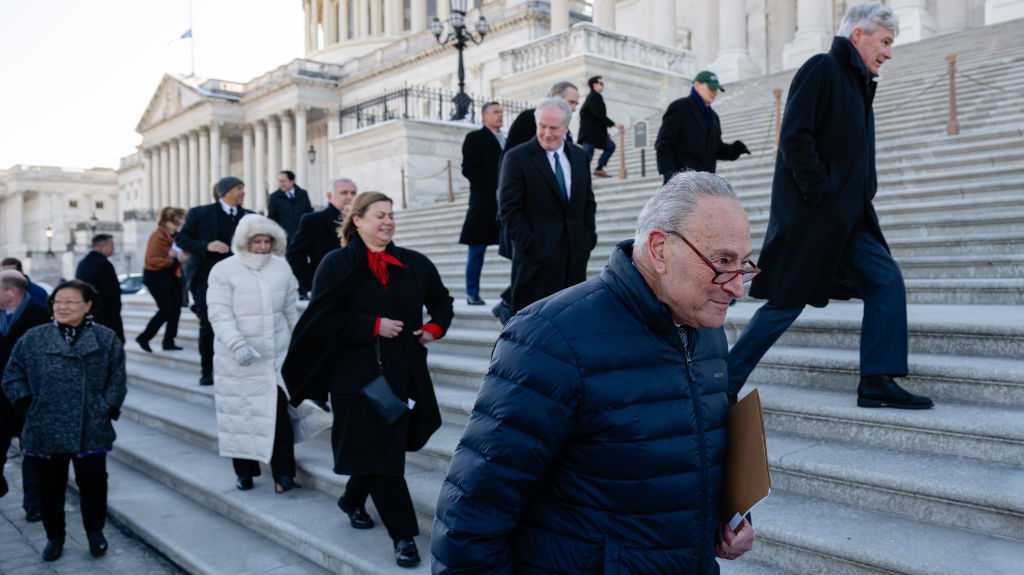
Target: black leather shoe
[[171, 347], [285, 483], [144, 344], [54, 549], [475, 300], [97, 544], [406, 554], [33, 516], [243, 483], [502, 312], [357, 516], [206, 380], [883, 391]]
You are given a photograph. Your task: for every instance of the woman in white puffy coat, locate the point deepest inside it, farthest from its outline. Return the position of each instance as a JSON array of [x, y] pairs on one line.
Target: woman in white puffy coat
[[252, 300]]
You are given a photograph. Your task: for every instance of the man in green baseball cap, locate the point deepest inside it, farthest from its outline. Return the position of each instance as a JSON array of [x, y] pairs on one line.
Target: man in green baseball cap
[[690, 137]]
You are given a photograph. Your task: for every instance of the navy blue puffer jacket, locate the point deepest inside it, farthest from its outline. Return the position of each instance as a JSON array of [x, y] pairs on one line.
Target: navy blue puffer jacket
[[596, 442]]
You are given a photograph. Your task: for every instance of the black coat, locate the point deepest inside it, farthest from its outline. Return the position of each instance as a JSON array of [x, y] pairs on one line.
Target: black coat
[[481, 159], [287, 212], [595, 446], [332, 352], [31, 316], [689, 140], [824, 181], [96, 270], [316, 236], [594, 121], [552, 238], [205, 224]]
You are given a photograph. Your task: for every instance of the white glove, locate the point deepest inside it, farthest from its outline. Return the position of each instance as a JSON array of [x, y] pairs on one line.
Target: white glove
[[246, 355]]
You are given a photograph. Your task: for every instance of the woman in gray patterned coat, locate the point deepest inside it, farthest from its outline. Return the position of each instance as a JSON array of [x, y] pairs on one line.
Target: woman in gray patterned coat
[[70, 375]]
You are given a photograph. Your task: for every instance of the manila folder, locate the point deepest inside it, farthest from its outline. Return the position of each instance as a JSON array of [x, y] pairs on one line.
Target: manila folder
[[746, 481]]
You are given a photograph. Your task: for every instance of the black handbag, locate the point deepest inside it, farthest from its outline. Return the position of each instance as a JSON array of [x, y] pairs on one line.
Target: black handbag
[[383, 399]]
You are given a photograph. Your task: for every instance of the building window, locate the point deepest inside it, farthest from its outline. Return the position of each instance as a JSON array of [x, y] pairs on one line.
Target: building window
[[99, 204], [72, 203]]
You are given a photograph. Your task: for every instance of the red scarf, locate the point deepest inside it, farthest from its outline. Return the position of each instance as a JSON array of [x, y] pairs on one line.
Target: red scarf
[[379, 262]]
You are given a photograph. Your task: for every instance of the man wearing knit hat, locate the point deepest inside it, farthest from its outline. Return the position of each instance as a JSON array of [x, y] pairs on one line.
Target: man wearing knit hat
[[206, 235]]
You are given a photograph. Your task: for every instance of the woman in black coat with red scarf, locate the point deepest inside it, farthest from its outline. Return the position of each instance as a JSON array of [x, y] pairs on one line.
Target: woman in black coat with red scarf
[[366, 319]]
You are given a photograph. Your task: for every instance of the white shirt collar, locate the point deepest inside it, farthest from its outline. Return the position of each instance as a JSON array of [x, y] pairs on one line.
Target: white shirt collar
[[229, 210]]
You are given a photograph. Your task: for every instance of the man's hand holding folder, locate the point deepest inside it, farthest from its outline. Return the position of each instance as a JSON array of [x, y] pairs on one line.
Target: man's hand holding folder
[[746, 480]]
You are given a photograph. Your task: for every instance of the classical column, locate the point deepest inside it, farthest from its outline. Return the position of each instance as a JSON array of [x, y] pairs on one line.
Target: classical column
[[300, 145], [195, 195], [781, 28], [330, 23], [251, 185], [215, 173], [144, 199], [664, 20], [205, 185], [418, 18], [916, 22], [308, 9], [376, 11], [604, 14], [154, 178], [16, 220], [393, 17], [733, 62], [259, 187], [165, 168], [181, 200], [814, 32], [175, 169], [997, 11], [443, 10], [559, 15], [287, 135], [333, 123], [951, 16], [343, 20], [273, 149]]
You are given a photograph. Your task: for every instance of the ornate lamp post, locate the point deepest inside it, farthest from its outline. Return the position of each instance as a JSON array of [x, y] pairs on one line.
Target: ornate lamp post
[[460, 36], [311, 154], [49, 240]]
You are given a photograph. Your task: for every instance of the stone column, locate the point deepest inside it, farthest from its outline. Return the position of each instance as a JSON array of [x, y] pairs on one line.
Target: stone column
[[343, 20], [330, 23], [316, 17], [781, 28], [300, 145], [376, 11], [184, 187], [195, 195], [418, 18], [916, 22], [215, 173], [175, 174], [251, 184], [393, 17], [333, 122], [733, 62], [664, 22], [273, 149], [165, 168], [225, 157], [287, 134], [559, 15], [814, 32], [604, 14], [154, 178], [259, 189], [997, 11], [951, 16], [443, 10], [16, 220], [205, 185]]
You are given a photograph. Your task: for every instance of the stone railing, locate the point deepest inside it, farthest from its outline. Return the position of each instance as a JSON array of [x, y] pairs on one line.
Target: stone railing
[[223, 88], [55, 173], [584, 38], [296, 69]]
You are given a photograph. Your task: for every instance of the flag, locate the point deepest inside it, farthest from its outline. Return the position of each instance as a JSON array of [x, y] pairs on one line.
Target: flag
[[186, 34]]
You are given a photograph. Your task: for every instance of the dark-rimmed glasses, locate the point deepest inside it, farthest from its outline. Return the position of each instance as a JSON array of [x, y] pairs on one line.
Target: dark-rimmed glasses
[[721, 277]]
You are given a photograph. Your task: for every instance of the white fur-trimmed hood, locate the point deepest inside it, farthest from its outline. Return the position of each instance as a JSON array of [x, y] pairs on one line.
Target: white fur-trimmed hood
[[254, 225]]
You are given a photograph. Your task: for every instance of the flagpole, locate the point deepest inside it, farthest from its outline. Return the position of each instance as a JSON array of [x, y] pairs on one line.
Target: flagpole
[[191, 42]]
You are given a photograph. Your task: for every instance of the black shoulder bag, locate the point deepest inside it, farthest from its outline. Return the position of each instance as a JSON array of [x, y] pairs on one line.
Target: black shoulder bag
[[379, 392]]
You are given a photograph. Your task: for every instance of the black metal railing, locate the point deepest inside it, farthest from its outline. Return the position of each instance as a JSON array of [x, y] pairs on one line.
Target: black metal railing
[[416, 103]]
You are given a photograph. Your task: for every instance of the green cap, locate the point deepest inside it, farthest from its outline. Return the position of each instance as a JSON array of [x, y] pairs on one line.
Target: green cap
[[709, 79]]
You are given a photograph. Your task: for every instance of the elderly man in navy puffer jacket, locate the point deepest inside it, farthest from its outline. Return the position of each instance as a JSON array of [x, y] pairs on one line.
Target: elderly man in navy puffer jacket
[[597, 441]]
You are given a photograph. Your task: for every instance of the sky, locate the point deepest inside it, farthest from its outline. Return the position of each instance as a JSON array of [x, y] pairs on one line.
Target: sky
[[77, 75]]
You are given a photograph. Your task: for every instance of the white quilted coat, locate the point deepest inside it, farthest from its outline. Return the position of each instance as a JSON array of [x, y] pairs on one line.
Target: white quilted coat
[[251, 299]]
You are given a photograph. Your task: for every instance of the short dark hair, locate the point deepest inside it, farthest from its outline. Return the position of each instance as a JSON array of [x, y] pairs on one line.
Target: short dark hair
[[14, 280], [88, 292], [8, 262], [487, 106], [99, 239], [594, 80], [288, 174]]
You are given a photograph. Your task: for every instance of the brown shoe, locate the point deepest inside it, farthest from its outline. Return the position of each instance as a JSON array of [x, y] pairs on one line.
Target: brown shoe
[[601, 173]]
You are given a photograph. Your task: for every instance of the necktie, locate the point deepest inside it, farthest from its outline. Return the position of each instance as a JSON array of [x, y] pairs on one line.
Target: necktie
[[560, 177]]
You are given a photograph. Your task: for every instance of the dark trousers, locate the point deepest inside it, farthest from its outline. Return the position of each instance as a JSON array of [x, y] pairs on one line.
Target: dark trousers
[[205, 329], [391, 497], [606, 153], [282, 460], [166, 290], [91, 478], [474, 266], [883, 337], [29, 470]]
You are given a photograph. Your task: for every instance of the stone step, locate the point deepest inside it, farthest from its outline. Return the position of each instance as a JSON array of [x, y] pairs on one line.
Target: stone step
[[192, 536]]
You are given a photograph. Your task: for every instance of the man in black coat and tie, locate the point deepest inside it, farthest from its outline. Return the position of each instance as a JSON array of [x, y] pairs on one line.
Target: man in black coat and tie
[[594, 124], [206, 235], [690, 137], [96, 270], [547, 206], [286, 206], [481, 159], [318, 234]]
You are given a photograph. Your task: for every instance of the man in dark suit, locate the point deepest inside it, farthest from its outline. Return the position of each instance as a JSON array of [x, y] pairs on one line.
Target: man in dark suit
[[96, 270], [823, 240], [18, 314], [481, 158], [690, 137], [318, 234], [206, 235], [288, 204], [594, 124], [548, 207]]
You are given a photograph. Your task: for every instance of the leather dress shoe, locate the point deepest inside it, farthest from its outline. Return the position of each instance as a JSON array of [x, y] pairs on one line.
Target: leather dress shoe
[[406, 554], [357, 516], [244, 483], [206, 380], [285, 483], [475, 300], [54, 549], [601, 173], [97, 543], [170, 346], [883, 391], [144, 344]]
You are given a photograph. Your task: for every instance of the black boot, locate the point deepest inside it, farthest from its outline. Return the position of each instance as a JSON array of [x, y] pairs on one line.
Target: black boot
[[244, 483], [97, 543], [54, 549], [357, 515], [206, 380], [406, 554], [883, 391]]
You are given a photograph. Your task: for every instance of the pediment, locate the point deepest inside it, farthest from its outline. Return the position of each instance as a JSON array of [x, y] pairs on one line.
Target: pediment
[[171, 98]]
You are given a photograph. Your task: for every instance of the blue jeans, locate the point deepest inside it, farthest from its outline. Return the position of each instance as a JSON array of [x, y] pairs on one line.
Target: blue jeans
[[474, 265], [606, 154]]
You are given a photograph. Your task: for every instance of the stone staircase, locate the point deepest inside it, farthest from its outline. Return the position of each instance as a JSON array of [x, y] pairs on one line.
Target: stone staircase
[[856, 491]]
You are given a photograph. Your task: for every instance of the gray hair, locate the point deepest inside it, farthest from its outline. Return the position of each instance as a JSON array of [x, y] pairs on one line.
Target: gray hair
[[343, 180], [869, 17], [13, 279], [669, 208], [558, 103], [560, 88]]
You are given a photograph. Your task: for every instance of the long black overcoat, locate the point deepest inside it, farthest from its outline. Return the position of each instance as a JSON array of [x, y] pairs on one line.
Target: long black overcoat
[[690, 140], [96, 270], [287, 213], [205, 224], [824, 181], [316, 237], [481, 160], [594, 121], [332, 352]]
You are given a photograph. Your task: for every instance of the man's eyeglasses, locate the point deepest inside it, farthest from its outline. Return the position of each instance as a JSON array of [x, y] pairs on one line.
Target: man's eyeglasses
[[721, 277]]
